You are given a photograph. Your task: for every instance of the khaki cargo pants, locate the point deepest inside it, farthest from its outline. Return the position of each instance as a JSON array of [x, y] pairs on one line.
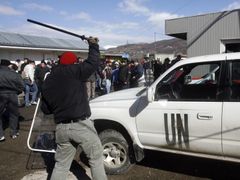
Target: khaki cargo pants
[[84, 134]]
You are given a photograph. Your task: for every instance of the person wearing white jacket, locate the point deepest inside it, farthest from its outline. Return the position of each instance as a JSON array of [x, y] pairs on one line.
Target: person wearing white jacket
[[30, 85]]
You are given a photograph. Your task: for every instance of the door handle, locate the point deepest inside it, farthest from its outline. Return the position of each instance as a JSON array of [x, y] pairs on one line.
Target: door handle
[[204, 116]]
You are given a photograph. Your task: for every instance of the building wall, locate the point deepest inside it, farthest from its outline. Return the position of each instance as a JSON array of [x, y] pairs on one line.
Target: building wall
[[205, 32], [36, 55], [209, 42]]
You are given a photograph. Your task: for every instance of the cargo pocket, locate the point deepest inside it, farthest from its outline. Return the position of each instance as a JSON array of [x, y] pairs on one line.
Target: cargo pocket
[[96, 151], [61, 135]]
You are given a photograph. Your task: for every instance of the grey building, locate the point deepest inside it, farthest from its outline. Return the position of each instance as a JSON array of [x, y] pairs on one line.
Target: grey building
[[18, 46], [209, 33]]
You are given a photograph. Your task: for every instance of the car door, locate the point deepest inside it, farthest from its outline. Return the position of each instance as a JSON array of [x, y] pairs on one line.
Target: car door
[[186, 112], [231, 111]]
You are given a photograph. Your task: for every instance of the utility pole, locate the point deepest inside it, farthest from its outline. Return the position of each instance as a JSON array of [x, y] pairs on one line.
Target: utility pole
[[155, 48], [155, 42], [155, 34]]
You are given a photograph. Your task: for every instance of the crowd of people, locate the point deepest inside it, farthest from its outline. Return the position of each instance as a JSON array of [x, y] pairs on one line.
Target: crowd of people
[[18, 78], [118, 75], [114, 76], [159, 67]]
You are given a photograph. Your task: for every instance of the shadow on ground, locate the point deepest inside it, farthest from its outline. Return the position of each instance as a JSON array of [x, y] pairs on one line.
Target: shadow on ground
[[38, 161], [192, 166]]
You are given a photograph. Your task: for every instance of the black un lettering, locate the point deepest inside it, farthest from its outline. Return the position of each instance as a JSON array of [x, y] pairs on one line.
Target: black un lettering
[[179, 129]]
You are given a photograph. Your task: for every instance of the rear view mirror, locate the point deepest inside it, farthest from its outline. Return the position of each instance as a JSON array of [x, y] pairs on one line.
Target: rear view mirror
[[188, 79]]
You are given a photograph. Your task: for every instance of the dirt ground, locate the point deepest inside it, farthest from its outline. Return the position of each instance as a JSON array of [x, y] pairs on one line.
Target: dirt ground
[[17, 161]]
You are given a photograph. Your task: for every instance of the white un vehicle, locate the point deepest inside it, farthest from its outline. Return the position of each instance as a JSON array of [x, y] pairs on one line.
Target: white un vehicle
[[193, 108]]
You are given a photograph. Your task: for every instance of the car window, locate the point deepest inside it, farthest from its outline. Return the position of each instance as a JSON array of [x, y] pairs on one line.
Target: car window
[[198, 82], [234, 84]]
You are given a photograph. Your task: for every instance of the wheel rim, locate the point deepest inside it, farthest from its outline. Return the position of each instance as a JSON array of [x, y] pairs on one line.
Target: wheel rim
[[114, 155]]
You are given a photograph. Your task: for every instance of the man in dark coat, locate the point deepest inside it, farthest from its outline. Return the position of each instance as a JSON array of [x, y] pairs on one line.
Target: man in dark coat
[[11, 84], [64, 94], [178, 58], [123, 76], [136, 70], [157, 69], [40, 72]]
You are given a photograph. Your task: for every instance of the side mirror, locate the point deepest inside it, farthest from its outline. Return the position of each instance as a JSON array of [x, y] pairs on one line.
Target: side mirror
[[150, 94]]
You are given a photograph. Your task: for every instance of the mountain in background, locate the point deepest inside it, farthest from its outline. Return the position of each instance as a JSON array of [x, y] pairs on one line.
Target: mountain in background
[[138, 51]]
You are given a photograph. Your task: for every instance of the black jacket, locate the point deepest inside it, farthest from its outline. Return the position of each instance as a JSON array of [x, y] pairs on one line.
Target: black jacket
[[64, 91], [123, 74], [40, 73], [92, 78], [10, 81]]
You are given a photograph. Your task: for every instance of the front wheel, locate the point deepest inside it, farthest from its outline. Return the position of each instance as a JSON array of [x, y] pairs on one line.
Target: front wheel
[[116, 154]]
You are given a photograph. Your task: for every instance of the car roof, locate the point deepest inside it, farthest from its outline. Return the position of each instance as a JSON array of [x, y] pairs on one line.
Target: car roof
[[207, 58]]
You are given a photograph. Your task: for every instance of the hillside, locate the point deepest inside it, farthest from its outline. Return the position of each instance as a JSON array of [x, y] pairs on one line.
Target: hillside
[[170, 46]]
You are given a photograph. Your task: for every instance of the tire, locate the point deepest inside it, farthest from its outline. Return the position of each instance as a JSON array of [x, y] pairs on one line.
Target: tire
[[116, 154]]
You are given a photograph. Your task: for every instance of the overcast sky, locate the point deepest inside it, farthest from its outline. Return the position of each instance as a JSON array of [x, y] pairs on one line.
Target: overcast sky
[[115, 22]]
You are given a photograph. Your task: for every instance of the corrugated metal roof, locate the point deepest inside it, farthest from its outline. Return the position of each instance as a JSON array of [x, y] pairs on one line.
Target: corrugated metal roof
[[21, 40]]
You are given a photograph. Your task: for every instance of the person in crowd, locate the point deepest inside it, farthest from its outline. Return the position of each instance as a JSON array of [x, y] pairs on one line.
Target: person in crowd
[[25, 62], [99, 78], [30, 84], [49, 64], [80, 59], [166, 64], [136, 72], [178, 58], [115, 73], [74, 128], [123, 76], [107, 76], [146, 65], [91, 85], [157, 69], [18, 62], [14, 67], [40, 72], [11, 84]]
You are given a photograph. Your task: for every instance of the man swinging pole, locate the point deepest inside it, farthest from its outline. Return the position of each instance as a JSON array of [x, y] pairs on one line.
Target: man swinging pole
[[64, 95]]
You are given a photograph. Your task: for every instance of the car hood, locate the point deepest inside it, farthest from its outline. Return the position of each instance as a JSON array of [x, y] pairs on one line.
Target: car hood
[[126, 94]]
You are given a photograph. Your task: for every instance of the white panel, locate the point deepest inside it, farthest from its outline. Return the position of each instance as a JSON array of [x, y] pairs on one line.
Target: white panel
[[34, 55], [14, 55], [4, 54], [50, 56]]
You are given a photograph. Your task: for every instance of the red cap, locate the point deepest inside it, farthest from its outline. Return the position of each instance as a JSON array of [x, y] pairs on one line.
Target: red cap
[[68, 58]]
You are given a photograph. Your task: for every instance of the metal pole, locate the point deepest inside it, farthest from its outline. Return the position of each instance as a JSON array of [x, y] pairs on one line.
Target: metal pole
[[58, 29]]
